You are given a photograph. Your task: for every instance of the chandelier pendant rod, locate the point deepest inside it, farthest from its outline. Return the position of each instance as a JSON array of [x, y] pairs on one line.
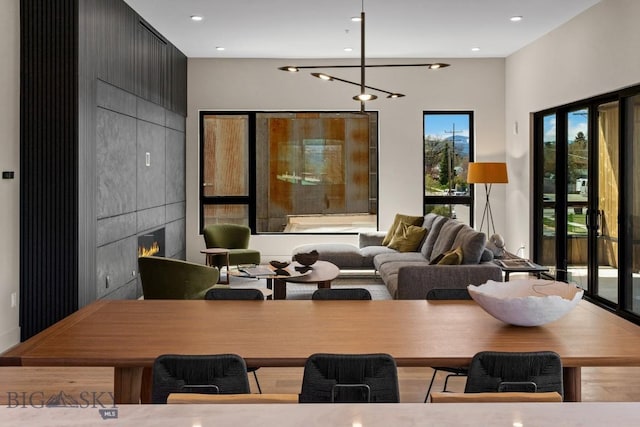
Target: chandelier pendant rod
[[362, 64]]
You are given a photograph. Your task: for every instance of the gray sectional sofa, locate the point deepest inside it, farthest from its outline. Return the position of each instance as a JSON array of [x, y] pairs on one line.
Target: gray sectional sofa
[[409, 275]]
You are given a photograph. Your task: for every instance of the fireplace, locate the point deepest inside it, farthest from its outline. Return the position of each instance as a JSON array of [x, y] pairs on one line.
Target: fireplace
[[151, 243]]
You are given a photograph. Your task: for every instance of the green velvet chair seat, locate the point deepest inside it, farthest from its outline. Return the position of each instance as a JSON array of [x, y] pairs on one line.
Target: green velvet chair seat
[[166, 278], [233, 237]]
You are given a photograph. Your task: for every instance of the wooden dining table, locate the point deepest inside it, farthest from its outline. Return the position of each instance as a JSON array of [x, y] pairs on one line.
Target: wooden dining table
[[129, 334]]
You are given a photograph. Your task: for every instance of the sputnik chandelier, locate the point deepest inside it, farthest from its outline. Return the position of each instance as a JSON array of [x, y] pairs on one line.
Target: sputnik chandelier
[[363, 96]]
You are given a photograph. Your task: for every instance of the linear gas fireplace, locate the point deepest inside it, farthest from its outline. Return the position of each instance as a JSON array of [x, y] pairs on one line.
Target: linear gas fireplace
[[151, 243]]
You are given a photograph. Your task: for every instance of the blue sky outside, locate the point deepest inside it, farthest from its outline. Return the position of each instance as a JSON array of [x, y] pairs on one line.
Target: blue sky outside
[[577, 122], [441, 125]]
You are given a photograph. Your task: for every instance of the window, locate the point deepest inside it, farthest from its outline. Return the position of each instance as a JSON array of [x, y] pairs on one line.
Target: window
[[291, 172], [448, 149]]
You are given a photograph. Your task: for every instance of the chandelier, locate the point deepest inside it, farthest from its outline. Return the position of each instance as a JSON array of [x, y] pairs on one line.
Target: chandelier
[[363, 96]]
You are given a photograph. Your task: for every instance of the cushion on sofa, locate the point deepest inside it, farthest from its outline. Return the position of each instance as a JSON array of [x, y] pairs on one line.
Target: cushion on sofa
[[371, 253], [409, 219], [487, 255], [472, 243], [393, 257], [446, 237], [428, 220], [452, 257], [434, 224], [407, 238]]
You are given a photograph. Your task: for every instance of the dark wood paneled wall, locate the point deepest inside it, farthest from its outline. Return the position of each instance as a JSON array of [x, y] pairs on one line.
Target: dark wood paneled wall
[[48, 163], [66, 46]]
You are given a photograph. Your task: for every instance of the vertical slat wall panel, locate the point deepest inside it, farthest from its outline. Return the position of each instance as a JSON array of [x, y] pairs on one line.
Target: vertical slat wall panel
[[175, 78], [66, 46], [48, 163], [151, 54]]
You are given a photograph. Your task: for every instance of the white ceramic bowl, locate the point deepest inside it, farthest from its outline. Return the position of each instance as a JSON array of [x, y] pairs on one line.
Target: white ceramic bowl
[[526, 302]]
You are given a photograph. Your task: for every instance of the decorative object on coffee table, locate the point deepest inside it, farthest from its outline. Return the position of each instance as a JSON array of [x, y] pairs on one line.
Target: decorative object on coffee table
[[279, 264], [306, 259], [527, 302]]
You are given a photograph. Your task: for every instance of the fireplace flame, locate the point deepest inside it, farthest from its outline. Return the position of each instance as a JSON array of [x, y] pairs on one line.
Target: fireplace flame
[[154, 249]]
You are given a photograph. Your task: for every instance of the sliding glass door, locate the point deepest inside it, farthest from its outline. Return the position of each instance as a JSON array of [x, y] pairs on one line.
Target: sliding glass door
[[603, 223], [577, 150], [632, 203], [586, 203]]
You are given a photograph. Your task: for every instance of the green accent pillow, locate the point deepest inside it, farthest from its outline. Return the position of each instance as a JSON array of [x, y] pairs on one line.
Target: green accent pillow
[[407, 238], [452, 257], [411, 220]]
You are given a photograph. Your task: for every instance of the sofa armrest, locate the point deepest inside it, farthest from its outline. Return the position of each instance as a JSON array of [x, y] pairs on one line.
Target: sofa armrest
[[371, 238], [415, 281]]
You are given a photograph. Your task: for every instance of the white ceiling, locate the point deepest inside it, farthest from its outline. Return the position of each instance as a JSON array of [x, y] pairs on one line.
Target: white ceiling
[[322, 28]]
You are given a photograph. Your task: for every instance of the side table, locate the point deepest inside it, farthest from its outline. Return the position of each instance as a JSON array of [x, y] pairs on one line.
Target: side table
[[519, 265], [211, 253]]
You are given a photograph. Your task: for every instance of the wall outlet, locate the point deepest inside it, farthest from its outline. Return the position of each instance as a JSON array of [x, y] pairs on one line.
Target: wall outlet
[[14, 300]]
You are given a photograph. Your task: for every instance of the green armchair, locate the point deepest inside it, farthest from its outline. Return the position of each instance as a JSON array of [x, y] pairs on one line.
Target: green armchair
[[166, 278], [233, 237]]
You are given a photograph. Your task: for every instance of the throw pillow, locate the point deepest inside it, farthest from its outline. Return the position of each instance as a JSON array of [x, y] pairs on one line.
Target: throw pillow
[[453, 257], [407, 238], [411, 220]]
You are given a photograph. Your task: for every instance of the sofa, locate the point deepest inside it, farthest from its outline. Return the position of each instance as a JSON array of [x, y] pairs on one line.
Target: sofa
[[411, 274]]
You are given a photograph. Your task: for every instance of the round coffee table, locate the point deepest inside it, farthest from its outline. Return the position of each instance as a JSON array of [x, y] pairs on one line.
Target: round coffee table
[[321, 273]]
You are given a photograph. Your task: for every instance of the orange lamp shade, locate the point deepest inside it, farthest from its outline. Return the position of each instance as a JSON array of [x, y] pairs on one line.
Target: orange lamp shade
[[487, 173]]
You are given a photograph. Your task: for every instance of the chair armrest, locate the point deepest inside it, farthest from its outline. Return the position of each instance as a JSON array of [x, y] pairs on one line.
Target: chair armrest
[[415, 281], [188, 398], [371, 238], [448, 397]]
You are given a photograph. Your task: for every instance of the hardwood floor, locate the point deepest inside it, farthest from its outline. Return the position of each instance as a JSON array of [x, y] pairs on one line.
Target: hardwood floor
[[20, 384]]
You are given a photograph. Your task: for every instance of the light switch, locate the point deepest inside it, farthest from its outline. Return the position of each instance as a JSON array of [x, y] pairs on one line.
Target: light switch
[[147, 158]]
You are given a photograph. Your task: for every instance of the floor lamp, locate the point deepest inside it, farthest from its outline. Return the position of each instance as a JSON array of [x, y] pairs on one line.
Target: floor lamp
[[487, 173]]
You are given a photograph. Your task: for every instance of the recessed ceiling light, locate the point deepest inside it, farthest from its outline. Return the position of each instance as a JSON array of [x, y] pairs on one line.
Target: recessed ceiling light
[[196, 18], [475, 49], [220, 48], [515, 18], [348, 49]]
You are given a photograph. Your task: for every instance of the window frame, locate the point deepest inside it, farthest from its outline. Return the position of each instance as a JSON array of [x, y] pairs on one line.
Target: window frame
[[468, 199], [251, 199]]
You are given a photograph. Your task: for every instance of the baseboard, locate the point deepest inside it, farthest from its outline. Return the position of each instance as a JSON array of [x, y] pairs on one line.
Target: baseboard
[[9, 339]]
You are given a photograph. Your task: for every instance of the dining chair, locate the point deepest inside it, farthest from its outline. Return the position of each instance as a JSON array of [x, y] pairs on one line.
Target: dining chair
[[167, 278], [446, 294], [350, 378], [536, 372], [238, 294], [234, 294], [207, 374], [341, 294]]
